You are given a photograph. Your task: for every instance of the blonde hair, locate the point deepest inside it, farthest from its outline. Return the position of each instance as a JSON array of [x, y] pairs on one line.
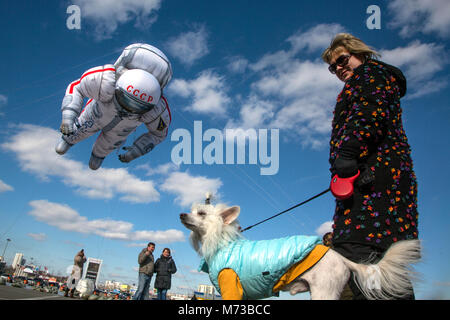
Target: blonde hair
[[352, 44]]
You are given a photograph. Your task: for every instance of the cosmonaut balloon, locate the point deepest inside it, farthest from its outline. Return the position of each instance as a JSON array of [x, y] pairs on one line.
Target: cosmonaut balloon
[[121, 97]]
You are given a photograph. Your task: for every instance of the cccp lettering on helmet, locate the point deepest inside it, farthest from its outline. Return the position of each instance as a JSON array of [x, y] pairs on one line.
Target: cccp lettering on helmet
[[136, 94]]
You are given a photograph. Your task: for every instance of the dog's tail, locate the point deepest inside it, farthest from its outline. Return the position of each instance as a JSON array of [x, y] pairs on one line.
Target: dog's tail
[[391, 277]]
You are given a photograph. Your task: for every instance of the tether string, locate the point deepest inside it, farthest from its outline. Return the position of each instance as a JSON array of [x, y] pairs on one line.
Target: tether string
[[297, 205]]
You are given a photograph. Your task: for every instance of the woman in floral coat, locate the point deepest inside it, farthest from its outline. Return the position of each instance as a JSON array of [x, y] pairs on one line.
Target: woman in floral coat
[[368, 135]]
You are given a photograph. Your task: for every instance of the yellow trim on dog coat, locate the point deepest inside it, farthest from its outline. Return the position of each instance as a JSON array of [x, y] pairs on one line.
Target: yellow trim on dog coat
[[300, 267], [230, 285]]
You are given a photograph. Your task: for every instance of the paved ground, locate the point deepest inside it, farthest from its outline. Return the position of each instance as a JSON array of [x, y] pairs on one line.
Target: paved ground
[[13, 293]]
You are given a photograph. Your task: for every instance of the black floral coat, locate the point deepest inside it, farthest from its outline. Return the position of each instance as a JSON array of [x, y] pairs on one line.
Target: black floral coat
[[367, 125]]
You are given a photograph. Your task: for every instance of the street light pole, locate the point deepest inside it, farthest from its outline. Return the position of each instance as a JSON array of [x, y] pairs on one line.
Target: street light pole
[[4, 250]]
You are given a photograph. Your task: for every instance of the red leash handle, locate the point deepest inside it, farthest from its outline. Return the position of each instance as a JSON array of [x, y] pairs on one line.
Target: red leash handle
[[342, 188]]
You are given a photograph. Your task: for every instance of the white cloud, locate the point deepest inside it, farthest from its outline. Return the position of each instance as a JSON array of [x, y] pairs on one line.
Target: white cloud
[[3, 102], [300, 80], [190, 46], [237, 64], [298, 94], [34, 148], [276, 60], [190, 189], [420, 69], [254, 113], [107, 15], [207, 92], [315, 39], [196, 272], [65, 218], [426, 16], [162, 169], [38, 236], [427, 88], [416, 59], [5, 187], [137, 245], [288, 92], [294, 94], [324, 228]]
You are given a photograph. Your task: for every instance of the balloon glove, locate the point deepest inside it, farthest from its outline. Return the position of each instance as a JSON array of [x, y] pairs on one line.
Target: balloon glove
[[131, 154], [67, 126]]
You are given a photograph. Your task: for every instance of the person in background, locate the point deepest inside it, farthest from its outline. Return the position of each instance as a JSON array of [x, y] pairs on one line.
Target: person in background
[[164, 268], [326, 239], [77, 272], [368, 142], [146, 268]]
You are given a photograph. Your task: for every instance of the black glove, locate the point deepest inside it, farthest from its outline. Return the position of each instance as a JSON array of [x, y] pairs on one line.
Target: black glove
[[345, 167], [366, 177]]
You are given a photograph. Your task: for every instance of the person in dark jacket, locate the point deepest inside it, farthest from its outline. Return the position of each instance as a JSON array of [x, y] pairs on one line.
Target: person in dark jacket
[[368, 136], [164, 268], [146, 268]]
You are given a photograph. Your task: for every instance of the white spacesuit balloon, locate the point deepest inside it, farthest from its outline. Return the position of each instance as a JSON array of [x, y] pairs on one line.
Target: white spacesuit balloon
[[118, 104], [145, 57]]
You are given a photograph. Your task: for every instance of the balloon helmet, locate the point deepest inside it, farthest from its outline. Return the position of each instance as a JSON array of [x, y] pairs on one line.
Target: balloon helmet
[[137, 91]]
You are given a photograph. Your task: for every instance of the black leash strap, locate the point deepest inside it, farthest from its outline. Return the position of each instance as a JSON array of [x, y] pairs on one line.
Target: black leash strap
[[297, 205]]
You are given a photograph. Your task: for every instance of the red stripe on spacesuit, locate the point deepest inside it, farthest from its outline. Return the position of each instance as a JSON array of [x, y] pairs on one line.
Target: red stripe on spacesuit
[[73, 84], [89, 101], [168, 109], [86, 74]]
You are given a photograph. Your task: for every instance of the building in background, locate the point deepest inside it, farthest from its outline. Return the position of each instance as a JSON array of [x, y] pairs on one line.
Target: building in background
[[18, 260], [206, 289], [111, 285], [206, 292], [125, 288]]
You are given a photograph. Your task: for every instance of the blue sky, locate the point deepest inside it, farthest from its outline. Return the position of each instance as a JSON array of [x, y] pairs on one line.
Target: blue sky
[[251, 64]]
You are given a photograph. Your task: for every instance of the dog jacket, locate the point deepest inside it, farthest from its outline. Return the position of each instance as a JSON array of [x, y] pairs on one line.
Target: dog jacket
[[259, 265]]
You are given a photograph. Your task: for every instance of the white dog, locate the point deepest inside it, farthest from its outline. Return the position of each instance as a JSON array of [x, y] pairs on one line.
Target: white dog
[[234, 264]]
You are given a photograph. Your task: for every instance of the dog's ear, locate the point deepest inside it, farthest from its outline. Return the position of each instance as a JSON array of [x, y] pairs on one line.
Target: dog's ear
[[230, 214]]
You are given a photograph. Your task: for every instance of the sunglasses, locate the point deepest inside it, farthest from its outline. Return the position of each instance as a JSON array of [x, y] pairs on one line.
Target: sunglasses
[[341, 61]]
